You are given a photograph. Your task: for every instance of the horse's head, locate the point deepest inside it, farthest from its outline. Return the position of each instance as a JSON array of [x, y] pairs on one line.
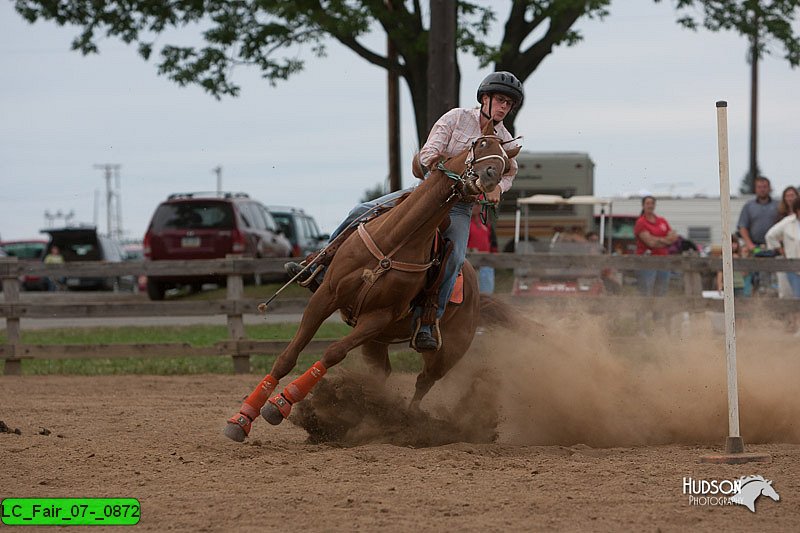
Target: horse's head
[[486, 162], [769, 491]]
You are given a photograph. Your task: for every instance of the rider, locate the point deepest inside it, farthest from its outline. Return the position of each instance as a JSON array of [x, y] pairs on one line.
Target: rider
[[454, 132]]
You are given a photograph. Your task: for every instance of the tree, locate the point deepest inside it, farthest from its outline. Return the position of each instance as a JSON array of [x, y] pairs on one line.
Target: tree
[[765, 23], [264, 33]]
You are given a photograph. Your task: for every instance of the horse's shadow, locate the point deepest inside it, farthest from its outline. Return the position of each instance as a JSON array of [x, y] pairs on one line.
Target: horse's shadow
[[350, 409]]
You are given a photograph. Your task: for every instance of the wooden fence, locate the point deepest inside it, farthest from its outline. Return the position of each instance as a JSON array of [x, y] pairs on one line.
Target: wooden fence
[[234, 306]]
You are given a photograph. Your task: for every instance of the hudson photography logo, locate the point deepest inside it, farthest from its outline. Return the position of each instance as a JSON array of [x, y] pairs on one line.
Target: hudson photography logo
[[743, 491]]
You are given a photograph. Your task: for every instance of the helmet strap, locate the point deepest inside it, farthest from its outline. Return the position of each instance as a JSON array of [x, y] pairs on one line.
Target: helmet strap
[[489, 116]]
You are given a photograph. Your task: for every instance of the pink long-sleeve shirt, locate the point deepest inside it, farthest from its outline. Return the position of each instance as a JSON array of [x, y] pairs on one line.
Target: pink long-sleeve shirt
[[454, 132]]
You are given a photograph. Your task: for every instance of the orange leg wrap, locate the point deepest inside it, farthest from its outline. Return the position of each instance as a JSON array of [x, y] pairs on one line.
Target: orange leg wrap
[[259, 396], [253, 403], [299, 388]]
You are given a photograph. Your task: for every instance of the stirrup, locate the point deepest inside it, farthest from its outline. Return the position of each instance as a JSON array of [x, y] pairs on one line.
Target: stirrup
[[435, 333], [306, 282]]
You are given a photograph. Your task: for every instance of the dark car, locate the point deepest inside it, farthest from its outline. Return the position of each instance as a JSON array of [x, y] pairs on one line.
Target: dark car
[[84, 243], [29, 251], [209, 226], [301, 230]]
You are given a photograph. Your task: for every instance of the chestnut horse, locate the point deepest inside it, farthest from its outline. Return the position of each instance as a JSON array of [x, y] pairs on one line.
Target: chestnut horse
[[401, 247]]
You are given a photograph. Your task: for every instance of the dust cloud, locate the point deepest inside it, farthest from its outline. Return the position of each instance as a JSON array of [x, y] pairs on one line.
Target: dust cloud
[[568, 379]]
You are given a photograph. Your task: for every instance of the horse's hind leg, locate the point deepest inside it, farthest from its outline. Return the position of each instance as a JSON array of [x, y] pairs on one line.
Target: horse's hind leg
[[278, 407], [376, 355], [319, 308], [457, 332]]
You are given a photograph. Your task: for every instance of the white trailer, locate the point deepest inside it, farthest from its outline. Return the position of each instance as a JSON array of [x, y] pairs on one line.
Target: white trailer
[[694, 218]]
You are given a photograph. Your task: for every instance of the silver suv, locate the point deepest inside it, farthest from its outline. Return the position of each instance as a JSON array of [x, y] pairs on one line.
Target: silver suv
[[300, 228]]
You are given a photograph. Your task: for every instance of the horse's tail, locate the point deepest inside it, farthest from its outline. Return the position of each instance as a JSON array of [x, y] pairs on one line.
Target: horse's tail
[[495, 312]]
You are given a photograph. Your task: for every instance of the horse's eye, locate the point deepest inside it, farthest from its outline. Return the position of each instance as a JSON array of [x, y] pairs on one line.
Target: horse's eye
[[483, 143]]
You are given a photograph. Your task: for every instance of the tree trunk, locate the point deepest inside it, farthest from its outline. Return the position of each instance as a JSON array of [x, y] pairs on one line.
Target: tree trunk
[[442, 91]]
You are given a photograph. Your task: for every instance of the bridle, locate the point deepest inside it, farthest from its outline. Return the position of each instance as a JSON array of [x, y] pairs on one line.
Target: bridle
[[467, 183]]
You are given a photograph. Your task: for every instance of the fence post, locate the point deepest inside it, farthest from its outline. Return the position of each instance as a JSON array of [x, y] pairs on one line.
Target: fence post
[[12, 366], [235, 291]]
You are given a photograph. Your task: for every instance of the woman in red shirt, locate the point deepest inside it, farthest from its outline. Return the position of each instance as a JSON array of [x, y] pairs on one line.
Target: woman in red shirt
[[653, 237], [481, 240]]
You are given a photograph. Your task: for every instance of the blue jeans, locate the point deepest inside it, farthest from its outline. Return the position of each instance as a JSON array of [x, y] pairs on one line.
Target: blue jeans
[[486, 279], [653, 282], [458, 233], [358, 211], [794, 281]]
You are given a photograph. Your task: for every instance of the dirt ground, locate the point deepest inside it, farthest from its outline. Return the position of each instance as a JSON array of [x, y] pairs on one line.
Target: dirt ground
[[529, 433]]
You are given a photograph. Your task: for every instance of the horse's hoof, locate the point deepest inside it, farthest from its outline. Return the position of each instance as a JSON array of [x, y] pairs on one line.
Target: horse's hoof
[[272, 414], [235, 432]]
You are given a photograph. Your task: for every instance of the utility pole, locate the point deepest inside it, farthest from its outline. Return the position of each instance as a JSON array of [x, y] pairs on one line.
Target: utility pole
[[393, 98], [112, 199], [442, 66], [753, 172], [218, 171]]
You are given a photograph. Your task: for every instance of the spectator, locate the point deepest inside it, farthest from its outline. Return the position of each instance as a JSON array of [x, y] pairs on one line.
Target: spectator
[[54, 257], [784, 210], [653, 237], [786, 236], [757, 216], [787, 199], [738, 277], [480, 240]]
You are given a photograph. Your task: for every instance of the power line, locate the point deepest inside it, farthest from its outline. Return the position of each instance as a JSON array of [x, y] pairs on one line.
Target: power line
[[113, 199]]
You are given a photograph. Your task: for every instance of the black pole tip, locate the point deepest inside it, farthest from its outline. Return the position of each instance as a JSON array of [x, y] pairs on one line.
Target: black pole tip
[[722, 103]]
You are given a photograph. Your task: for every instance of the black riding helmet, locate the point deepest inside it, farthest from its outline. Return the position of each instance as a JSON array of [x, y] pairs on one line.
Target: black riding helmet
[[504, 83]]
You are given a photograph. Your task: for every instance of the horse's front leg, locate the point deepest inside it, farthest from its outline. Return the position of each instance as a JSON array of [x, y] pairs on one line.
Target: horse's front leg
[[369, 324], [319, 308]]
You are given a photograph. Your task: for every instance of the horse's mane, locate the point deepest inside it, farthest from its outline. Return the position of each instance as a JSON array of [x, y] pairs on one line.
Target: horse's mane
[[748, 479]]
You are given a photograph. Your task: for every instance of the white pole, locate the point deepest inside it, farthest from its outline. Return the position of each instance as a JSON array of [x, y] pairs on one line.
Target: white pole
[[727, 269], [516, 228]]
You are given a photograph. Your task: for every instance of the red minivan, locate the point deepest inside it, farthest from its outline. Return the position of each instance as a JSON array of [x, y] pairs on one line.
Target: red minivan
[[209, 226]]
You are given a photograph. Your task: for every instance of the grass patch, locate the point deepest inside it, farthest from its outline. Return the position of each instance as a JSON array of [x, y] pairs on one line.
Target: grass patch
[[195, 335], [406, 361], [250, 291]]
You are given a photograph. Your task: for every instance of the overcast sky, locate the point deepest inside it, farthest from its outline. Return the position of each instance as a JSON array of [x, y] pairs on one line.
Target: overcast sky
[[638, 94]]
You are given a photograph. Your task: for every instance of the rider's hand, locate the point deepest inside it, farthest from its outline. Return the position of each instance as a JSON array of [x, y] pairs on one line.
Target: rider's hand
[[493, 196]]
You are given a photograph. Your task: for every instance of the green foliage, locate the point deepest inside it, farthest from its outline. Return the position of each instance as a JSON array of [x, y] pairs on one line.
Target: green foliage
[[273, 35], [770, 21]]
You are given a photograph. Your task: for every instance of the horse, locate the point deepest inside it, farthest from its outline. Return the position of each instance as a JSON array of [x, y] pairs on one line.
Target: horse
[[400, 243], [751, 487]]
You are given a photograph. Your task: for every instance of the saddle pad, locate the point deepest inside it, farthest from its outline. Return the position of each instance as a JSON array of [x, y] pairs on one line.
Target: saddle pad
[[457, 296]]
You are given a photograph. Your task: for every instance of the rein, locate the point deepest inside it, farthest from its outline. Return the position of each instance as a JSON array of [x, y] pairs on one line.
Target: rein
[[463, 180]]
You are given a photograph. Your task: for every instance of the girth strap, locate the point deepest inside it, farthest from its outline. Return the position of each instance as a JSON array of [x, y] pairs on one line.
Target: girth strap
[[386, 262]]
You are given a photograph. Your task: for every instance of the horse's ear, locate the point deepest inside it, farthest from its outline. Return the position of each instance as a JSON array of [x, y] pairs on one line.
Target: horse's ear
[[512, 152], [416, 167], [488, 128]]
